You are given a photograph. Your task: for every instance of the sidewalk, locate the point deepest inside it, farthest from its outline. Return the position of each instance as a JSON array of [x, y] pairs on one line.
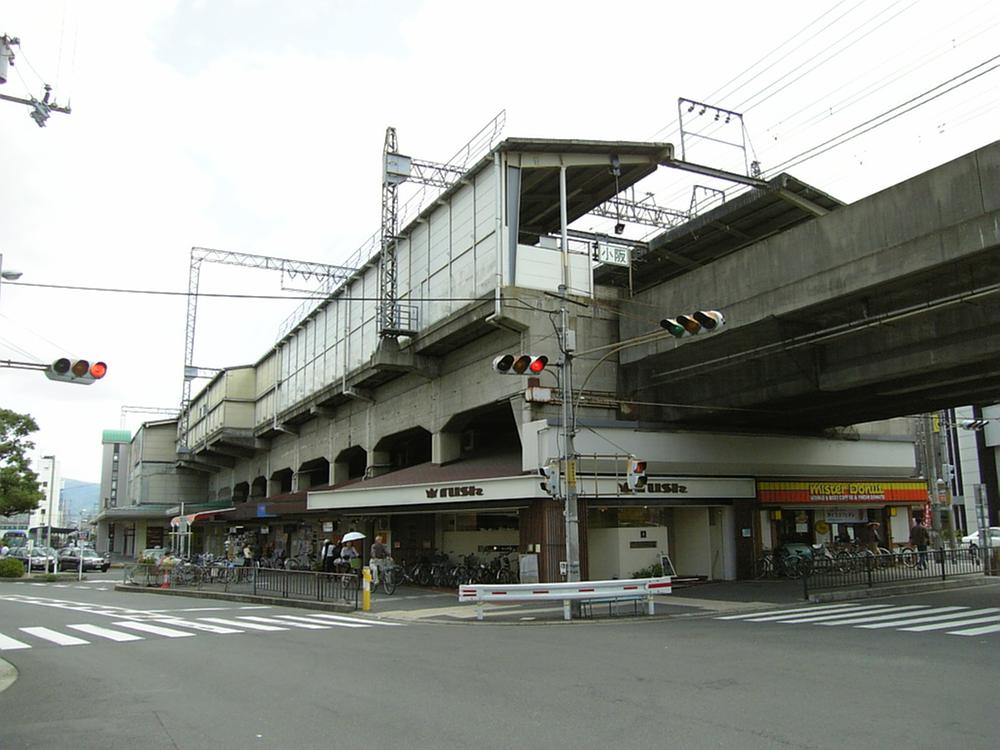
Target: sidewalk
[[430, 605], [416, 604]]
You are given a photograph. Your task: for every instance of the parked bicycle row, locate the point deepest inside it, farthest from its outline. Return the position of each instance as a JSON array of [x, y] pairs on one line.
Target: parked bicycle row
[[796, 560]]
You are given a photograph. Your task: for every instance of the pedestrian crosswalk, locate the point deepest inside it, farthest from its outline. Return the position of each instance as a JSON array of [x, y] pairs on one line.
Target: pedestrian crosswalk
[[910, 618], [166, 626]]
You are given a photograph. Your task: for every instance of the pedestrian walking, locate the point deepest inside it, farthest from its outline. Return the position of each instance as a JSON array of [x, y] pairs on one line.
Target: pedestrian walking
[[247, 555], [327, 554], [921, 540], [868, 536]]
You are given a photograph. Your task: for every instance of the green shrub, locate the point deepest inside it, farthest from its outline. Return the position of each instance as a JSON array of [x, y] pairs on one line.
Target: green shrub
[[653, 571], [11, 568]]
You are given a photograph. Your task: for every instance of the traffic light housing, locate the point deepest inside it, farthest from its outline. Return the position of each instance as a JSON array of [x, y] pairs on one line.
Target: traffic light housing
[[693, 324], [520, 364], [636, 474], [550, 478], [80, 371]]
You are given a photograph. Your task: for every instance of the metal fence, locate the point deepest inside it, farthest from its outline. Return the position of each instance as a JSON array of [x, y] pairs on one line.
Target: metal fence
[[870, 571], [297, 585]]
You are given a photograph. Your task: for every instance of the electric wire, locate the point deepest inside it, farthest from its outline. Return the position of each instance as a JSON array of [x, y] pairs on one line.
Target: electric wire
[[877, 121]]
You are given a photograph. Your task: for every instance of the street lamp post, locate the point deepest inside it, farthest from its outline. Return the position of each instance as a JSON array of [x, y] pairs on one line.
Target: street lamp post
[[48, 513]]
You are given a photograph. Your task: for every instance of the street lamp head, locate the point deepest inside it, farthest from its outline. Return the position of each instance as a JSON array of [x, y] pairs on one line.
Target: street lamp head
[[11, 275]]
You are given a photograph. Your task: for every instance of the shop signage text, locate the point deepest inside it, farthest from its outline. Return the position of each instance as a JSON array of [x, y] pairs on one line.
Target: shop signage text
[[840, 493], [467, 491], [667, 488]]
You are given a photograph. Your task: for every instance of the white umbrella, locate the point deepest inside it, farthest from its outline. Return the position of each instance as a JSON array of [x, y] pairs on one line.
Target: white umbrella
[[351, 536]]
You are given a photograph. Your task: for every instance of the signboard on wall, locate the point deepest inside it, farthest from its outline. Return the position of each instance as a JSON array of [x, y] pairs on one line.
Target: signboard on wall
[[528, 568], [846, 515], [841, 493]]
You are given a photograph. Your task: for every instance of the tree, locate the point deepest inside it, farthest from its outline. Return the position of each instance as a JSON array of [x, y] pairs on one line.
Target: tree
[[19, 492]]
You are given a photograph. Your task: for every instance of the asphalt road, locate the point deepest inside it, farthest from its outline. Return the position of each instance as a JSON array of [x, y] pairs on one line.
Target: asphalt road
[[756, 681]]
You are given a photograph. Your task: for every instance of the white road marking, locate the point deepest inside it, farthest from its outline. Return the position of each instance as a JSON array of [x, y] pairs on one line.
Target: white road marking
[[55, 636], [801, 610], [250, 625], [10, 644], [977, 631], [272, 621], [147, 627], [296, 618], [810, 618], [111, 635], [946, 625], [962, 612], [342, 618], [197, 625], [897, 613]]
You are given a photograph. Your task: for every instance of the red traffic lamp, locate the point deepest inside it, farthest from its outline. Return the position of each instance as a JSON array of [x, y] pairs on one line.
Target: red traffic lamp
[[80, 371]]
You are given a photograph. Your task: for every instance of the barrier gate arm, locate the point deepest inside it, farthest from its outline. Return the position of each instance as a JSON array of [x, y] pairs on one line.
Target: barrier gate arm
[[633, 588]]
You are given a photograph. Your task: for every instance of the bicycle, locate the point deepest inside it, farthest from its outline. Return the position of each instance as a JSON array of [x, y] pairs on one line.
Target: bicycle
[[388, 576], [771, 565]]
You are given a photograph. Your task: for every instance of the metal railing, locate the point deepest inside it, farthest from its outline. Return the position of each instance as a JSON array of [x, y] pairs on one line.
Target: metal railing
[[297, 585], [870, 571]]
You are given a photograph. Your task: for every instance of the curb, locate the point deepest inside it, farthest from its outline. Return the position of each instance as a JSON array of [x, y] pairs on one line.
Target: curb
[[8, 673], [905, 588]]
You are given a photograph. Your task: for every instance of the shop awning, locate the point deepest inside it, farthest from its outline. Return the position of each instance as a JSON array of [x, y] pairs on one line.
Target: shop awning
[[192, 517]]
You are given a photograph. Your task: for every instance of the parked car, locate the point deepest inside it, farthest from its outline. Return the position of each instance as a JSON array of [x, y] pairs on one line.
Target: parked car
[[69, 559], [38, 557], [978, 539]]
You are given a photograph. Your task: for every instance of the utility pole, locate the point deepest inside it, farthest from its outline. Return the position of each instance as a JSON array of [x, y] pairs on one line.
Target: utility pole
[[568, 455], [48, 514]]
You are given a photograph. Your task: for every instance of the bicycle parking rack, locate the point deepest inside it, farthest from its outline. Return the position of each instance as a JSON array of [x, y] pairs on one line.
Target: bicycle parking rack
[[633, 589]]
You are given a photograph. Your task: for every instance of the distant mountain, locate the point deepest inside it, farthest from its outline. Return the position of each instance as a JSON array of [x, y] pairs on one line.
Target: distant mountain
[[79, 497]]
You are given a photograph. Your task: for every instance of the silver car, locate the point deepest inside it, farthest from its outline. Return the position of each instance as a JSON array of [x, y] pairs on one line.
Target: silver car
[[977, 539]]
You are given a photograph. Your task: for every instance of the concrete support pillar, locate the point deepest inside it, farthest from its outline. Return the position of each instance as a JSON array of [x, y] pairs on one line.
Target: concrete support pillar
[[378, 463], [339, 472], [445, 447]]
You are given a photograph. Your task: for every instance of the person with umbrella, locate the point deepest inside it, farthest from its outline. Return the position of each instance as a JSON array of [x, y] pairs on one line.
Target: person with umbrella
[[347, 551]]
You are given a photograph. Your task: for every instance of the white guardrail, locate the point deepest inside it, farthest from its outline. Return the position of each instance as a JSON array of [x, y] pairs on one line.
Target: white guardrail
[[629, 589]]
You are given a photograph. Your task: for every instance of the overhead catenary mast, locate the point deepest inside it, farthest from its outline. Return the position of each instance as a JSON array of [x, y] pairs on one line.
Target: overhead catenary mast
[[394, 318], [42, 108]]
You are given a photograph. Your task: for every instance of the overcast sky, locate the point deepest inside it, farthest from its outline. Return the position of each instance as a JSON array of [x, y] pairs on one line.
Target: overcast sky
[[257, 126]]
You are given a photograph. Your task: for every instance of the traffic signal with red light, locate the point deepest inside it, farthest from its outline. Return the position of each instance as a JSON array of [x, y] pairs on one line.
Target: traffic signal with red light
[[523, 364], [80, 371], [695, 323], [636, 474]]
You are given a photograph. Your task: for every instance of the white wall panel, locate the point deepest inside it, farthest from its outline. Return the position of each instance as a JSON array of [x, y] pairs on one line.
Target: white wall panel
[[541, 268], [486, 265], [440, 287], [462, 220], [440, 239], [369, 290], [403, 270], [355, 354], [485, 202], [418, 254], [463, 282]]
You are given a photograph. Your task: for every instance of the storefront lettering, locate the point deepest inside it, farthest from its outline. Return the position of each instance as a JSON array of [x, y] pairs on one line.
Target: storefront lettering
[[846, 489], [467, 491], [665, 488]]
